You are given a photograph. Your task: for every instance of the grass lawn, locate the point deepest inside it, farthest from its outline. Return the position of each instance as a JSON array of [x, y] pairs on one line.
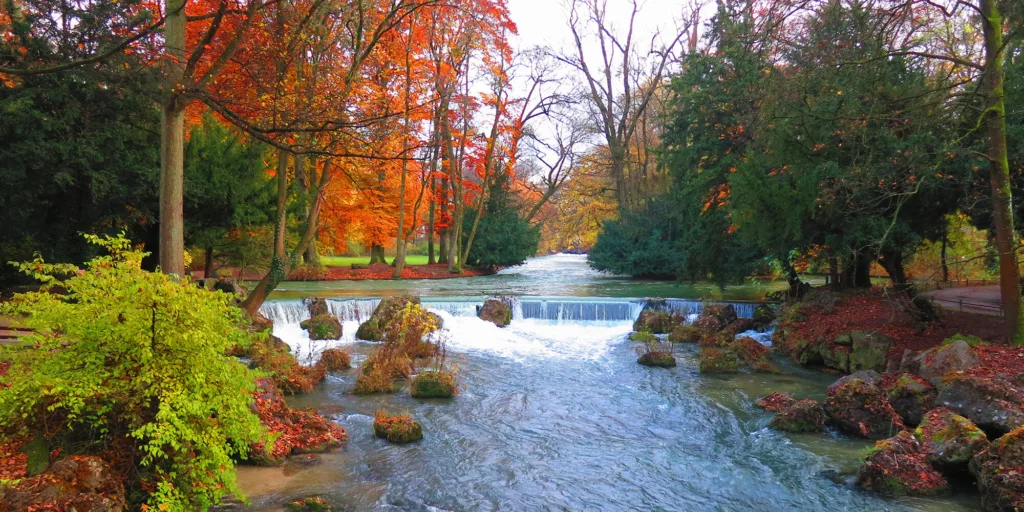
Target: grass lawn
[[344, 261]]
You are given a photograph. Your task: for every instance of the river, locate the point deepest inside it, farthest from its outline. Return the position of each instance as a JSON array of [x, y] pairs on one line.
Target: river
[[555, 414]]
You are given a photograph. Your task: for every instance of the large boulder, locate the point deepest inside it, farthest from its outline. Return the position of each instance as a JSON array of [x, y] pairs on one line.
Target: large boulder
[[724, 314], [996, 407], [999, 473], [496, 311], [857, 405], [799, 416], [801, 351], [657, 358], [764, 314], [898, 466], [835, 356], [910, 396], [684, 334], [318, 306], [386, 311], [754, 354], [718, 360], [83, 483], [322, 327], [655, 322], [951, 440], [869, 351], [935, 363]]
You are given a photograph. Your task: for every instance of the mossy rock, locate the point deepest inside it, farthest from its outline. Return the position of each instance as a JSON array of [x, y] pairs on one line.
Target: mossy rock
[[655, 322], [858, 406], [870, 351], [397, 429], [911, 397], [432, 384], [684, 334], [659, 359], [359, 266], [836, 357], [37, 451], [799, 416], [318, 306], [314, 504], [972, 341], [718, 360], [997, 469], [495, 311], [898, 467], [764, 314], [643, 337], [951, 440], [369, 330], [323, 327]]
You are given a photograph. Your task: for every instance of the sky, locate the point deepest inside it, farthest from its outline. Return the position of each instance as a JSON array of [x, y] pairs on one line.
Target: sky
[[545, 22]]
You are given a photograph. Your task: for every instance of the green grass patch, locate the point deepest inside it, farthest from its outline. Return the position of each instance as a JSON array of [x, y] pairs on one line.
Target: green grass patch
[[344, 261]]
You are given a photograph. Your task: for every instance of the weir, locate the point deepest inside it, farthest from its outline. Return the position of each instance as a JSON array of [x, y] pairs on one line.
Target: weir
[[557, 309]]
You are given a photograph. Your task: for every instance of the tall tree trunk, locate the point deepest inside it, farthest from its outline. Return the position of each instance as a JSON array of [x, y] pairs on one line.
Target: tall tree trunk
[[442, 247], [618, 169], [833, 272], [282, 204], [401, 241], [945, 263], [892, 262], [172, 143], [999, 169], [862, 269], [431, 258], [270, 280], [377, 254], [208, 270]]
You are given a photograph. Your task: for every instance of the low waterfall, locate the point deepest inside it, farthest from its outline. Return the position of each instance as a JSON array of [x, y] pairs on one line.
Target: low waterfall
[[570, 310]]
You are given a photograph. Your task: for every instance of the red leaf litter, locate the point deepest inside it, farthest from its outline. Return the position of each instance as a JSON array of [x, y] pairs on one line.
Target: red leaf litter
[[877, 313]]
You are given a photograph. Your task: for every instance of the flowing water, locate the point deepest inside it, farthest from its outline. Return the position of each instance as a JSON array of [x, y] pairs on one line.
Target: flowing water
[[555, 414]]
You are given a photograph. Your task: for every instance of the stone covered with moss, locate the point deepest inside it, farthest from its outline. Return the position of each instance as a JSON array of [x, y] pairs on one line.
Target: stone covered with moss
[[314, 504], [496, 311], [657, 358], [684, 334], [951, 440], [754, 354], [999, 473], [718, 360], [433, 384], [397, 429], [799, 416], [385, 312], [857, 405], [898, 467], [910, 396], [655, 322], [322, 327]]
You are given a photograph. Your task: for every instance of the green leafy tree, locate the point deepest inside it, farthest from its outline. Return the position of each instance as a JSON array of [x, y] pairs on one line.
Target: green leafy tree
[[130, 357], [503, 237], [226, 186]]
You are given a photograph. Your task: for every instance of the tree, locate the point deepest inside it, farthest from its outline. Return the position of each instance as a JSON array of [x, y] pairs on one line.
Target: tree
[[225, 186], [622, 83], [504, 238]]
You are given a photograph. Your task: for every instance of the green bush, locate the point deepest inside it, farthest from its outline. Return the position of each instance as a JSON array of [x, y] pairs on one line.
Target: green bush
[[129, 357]]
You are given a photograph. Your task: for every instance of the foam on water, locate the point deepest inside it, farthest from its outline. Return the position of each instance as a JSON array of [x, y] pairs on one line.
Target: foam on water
[[528, 339]]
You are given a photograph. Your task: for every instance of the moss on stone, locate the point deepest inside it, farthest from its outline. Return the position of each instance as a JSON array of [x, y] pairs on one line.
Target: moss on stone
[[433, 384], [397, 429], [718, 360], [659, 359]]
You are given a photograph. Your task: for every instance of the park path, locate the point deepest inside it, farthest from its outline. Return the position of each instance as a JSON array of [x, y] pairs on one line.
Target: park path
[[983, 300]]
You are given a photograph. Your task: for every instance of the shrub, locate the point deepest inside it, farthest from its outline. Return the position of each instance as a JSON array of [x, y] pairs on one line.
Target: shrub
[[643, 337], [334, 359], [133, 357], [286, 373], [308, 273]]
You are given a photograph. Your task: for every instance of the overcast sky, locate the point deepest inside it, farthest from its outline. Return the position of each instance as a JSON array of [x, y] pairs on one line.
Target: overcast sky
[[545, 22]]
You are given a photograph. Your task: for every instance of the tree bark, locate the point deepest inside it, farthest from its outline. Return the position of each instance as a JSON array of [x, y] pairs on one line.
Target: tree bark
[[862, 270], [945, 263], [833, 272], [282, 203], [431, 257], [208, 270], [172, 142], [999, 169]]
